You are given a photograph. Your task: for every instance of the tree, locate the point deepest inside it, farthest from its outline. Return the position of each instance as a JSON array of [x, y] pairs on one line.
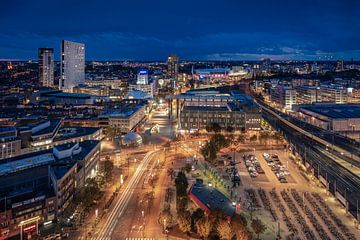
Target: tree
[[219, 141], [258, 227], [230, 129], [224, 230], [145, 139], [215, 127], [239, 223], [230, 138], [181, 203], [241, 138], [277, 137], [187, 167], [181, 184], [209, 151], [253, 138], [196, 216], [165, 219], [170, 172], [243, 234], [107, 168], [203, 227], [263, 137], [184, 221], [153, 180]]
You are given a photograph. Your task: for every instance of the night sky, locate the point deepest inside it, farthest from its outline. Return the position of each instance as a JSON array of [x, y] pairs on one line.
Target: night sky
[[196, 30]]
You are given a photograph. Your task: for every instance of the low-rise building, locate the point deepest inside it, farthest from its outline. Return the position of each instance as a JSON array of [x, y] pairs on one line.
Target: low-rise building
[[147, 88], [333, 93], [10, 143], [307, 94], [36, 187], [341, 118], [125, 116], [199, 109], [283, 96]]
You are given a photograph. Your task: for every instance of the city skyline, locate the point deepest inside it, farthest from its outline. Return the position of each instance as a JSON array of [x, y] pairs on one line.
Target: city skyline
[[296, 30]]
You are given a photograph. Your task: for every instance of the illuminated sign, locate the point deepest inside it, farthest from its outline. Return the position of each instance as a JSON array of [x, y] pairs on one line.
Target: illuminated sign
[[143, 72]]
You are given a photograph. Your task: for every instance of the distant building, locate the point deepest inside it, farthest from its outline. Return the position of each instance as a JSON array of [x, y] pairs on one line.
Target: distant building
[[147, 88], [211, 73], [142, 77], [307, 94], [46, 66], [173, 68], [340, 66], [72, 65], [56, 97], [103, 91], [333, 93], [283, 96], [137, 94]]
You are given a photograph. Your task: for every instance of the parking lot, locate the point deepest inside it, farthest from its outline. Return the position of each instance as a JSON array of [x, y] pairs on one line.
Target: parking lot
[[275, 189]]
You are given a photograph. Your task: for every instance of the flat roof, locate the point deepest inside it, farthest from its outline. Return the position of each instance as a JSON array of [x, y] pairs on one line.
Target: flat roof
[[336, 111], [212, 198], [205, 108], [212, 70], [54, 123], [27, 162], [74, 132], [122, 110], [71, 95], [61, 166]]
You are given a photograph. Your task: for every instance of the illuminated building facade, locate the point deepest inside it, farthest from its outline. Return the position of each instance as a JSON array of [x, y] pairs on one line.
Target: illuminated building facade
[[72, 65], [46, 66]]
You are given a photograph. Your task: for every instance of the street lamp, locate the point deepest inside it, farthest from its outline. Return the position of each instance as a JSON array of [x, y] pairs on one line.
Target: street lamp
[[96, 213]]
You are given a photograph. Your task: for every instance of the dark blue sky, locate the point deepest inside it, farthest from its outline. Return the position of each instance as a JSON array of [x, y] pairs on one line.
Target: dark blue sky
[[208, 30]]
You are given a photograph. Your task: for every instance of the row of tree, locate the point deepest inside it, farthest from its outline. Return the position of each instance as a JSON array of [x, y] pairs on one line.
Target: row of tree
[[214, 145]]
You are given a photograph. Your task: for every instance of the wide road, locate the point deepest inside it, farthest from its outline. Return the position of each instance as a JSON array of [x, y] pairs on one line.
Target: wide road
[[116, 212]]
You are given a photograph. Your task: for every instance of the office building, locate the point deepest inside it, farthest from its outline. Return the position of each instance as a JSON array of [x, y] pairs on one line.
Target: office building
[[125, 116], [333, 93], [142, 77], [307, 94], [199, 109], [10, 144], [72, 65], [46, 66], [283, 96], [173, 68], [36, 188]]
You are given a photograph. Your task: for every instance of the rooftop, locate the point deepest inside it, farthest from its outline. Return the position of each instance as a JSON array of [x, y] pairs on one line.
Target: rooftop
[[27, 162], [212, 70], [211, 198], [335, 111], [122, 110], [74, 132]]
